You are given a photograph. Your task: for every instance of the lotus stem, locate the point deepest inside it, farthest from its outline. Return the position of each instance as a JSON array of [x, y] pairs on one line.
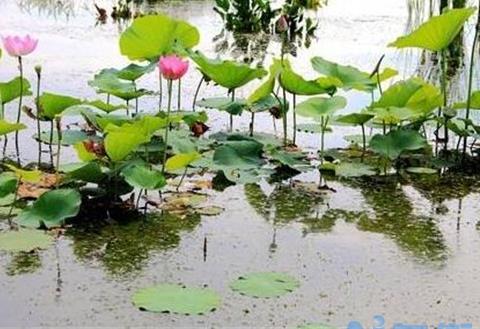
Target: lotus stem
[[136, 99], [167, 128], [284, 117], [51, 142], [294, 119], [160, 91], [128, 109], [108, 99], [15, 197], [445, 96], [37, 103], [322, 139], [20, 101], [252, 124], [470, 80], [59, 147], [231, 115], [182, 178], [364, 141], [197, 91], [179, 95]]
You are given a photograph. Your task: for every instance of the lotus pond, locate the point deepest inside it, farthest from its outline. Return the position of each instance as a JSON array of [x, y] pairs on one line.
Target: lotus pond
[[290, 164]]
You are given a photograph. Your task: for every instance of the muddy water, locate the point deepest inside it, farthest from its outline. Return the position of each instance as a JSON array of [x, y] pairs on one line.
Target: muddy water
[[407, 249]]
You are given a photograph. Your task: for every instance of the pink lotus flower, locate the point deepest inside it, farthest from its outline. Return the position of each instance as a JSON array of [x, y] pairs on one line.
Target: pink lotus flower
[[17, 46], [172, 67]]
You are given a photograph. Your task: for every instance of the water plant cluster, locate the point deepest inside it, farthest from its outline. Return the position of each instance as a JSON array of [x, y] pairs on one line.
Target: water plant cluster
[[132, 160]]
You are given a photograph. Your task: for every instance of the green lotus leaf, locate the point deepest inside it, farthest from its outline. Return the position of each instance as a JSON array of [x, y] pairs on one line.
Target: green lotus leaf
[[96, 106], [228, 74], [394, 115], [51, 209], [238, 155], [7, 127], [140, 176], [108, 82], [393, 144], [152, 36], [348, 76], [413, 93], [8, 184], [265, 284], [351, 169], [318, 107], [235, 107], [266, 88], [474, 102], [133, 72], [181, 161], [24, 240], [52, 105], [290, 159], [353, 119], [171, 298], [69, 137], [438, 32], [10, 90], [29, 176], [296, 84], [89, 172], [119, 144]]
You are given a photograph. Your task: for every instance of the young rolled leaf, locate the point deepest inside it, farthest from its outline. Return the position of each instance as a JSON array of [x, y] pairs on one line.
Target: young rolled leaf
[[152, 36], [438, 32]]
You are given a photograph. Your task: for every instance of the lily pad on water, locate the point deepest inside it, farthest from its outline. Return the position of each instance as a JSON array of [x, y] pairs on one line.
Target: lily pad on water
[[238, 155], [265, 284], [172, 298], [346, 169], [395, 142], [24, 240], [422, 171], [51, 209]]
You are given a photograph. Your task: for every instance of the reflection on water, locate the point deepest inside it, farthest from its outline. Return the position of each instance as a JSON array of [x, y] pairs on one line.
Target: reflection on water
[[126, 248], [23, 263], [387, 211]]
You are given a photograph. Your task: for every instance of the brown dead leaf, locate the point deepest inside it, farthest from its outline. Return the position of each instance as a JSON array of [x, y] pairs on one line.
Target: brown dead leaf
[[30, 191]]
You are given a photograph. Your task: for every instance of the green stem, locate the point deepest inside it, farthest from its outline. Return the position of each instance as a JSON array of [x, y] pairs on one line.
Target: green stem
[[160, 91], [167, 128], [445, 96], [252, 123], [15, 197], [179, 95], [51, 142], [136, 99], [470, 79], [231, 115], [128, 107], [20, 101], [294, 119], [37, 103], [364, 140], [284, 117], [197, 91], [182, 178], [322, 139], [59, 146]]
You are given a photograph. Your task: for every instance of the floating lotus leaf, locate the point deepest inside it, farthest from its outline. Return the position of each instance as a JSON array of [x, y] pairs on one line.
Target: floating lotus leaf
[[10, 90], [8, 184], [228, 74], [52, 105], [318, 107], [316, 326], [140, 176], [348, 76], [7, 127], [348, 169], [24, 240], [181, 161], [438, 32], [51, 209], [265, 284], [393, 144], [152, 36], [172, 298], [422, 171], [238, 155]]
